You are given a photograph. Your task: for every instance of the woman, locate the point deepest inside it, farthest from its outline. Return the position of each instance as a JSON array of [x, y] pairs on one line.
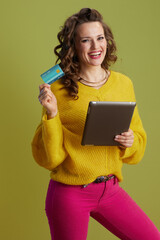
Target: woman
[[84, 179]]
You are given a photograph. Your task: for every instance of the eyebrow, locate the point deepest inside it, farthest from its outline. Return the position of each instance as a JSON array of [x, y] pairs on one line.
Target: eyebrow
[[96, 36]]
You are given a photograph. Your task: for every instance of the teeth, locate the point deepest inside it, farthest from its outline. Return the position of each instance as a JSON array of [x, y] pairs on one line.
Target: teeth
[[95, 54]]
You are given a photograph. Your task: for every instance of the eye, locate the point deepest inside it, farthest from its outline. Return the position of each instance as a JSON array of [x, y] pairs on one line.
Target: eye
[[101, 38], [84, 40]]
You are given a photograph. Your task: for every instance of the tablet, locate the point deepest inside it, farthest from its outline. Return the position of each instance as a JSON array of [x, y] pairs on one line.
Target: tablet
[[105, 120]]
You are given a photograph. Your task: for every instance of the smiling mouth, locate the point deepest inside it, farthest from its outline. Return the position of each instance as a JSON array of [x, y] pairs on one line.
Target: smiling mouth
[[95, 54]]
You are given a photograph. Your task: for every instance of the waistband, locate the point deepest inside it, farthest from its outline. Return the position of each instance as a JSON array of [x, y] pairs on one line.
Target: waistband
[[101, 179]]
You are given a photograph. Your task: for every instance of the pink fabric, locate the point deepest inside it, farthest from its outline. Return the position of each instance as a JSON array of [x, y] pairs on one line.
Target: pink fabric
[[68, 209]]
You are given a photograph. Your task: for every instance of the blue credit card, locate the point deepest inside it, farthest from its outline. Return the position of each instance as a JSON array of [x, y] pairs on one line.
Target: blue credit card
[[52, 74]]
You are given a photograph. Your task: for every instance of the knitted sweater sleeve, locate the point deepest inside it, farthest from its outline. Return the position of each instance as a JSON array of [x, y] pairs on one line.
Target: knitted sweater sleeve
[[135, 153], [47, 144]]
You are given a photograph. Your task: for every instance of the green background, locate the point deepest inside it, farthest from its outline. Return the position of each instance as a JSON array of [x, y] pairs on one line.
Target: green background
[[28, 36]]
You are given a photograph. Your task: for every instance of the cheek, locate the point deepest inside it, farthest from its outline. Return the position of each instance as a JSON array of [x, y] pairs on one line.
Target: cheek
[[82, 50], [104, 45]]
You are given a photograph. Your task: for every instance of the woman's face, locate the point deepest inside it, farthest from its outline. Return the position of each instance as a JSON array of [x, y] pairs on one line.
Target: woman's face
[[90, 44]]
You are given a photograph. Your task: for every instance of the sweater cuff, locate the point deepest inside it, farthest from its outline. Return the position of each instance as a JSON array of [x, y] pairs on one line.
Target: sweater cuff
[[128, 152], [44, 117], [52, 125]]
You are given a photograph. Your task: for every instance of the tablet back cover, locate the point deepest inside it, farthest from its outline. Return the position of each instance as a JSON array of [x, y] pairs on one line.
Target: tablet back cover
[[105, 120]]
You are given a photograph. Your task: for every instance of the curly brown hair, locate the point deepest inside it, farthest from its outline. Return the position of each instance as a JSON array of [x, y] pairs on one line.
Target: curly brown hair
[[66, 52]]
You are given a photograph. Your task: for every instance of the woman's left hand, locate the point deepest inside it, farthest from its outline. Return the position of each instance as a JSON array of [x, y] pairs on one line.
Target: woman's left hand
[[126, 139]]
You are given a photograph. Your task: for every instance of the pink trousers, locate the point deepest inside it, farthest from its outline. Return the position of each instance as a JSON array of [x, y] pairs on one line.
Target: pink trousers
[[68, 209]]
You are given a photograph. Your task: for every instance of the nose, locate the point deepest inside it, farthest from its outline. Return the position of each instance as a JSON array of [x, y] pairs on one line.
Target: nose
[[94, 44]]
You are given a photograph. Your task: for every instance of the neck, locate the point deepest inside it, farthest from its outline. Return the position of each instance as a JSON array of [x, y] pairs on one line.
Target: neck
[[92, 73]]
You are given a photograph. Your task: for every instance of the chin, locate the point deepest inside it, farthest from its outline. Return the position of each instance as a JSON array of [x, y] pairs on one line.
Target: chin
[[96, 63]]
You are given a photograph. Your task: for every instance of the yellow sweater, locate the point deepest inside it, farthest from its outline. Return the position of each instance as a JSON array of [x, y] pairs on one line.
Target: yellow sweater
[[57, 142]]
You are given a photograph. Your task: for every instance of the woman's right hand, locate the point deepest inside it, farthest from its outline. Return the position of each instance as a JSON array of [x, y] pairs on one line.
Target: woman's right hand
[[48, 100]]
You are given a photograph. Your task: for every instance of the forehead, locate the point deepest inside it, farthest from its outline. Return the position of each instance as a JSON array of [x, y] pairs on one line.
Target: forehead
[[89, 29]]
